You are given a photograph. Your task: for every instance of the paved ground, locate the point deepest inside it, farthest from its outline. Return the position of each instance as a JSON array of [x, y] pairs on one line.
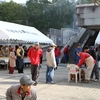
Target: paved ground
[[61, 90]]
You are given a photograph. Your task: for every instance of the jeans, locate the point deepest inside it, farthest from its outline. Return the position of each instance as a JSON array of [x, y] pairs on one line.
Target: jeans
[[95, 71], [57, 60], [49, 74], [66, 58], [20, 65]]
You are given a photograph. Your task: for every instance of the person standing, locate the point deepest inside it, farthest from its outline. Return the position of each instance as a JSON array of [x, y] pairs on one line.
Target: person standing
[[66, 57], [12, 61], [20, 57], [77, 49], [51, 63], [35, 53], [57, 55], [89, 61], [22, 91]]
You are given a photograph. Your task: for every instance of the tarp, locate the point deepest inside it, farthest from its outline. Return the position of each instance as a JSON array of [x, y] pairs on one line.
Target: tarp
[[97, 41], [12, 31]]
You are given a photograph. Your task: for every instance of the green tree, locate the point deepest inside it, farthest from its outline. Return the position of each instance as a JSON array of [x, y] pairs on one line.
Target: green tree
[[45, 15], [60, 14], [35, 14], [11, 11]]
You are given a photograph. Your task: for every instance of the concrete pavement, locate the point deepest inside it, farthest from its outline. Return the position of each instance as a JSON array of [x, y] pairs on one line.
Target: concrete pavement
[[61, 90]]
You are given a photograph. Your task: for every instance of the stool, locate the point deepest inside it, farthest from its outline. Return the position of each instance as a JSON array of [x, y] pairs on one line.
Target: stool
[[73, 70]]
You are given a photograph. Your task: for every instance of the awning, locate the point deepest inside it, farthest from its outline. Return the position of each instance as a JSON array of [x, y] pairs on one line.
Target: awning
[[12, 31]]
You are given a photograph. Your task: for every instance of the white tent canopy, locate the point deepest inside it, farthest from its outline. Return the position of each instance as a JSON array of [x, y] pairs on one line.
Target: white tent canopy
[[97, 41], [12, 31]]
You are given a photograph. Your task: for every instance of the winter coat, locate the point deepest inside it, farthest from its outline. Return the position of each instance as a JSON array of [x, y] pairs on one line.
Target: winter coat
[[35, 55], [57, 52], [12, 59], [76, 57], [86, 58], [50, 57], [13, 93], [66, 50]]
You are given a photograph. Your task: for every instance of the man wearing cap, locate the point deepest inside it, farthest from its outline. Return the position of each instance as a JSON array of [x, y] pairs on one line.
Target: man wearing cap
[[77, 49], [24, 91], [51, 63], [35, 53]]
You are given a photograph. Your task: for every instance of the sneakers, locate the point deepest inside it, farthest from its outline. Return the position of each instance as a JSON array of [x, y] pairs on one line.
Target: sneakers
[[50, 82], [47, 82], [95, 80]]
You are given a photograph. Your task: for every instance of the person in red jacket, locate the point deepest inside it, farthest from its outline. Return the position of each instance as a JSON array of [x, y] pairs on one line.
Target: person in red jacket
[[89, 61], [57, 55], [66, 57], [35, 53]]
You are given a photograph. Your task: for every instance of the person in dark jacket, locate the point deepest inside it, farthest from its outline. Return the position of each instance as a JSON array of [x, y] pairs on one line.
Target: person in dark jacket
[[20, 57], [77, 49]]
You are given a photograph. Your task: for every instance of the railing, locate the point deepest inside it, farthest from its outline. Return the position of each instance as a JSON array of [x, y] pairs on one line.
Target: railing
[[74, 38], [84, 2], [85, 40]]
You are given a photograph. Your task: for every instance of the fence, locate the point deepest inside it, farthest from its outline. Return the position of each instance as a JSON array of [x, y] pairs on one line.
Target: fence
[[61, 37]]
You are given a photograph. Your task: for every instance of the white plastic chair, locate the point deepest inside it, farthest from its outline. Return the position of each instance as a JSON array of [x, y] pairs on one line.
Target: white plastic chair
[[73, 69]]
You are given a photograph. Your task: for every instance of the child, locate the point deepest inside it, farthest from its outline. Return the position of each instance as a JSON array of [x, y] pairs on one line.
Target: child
[[12, 61]]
